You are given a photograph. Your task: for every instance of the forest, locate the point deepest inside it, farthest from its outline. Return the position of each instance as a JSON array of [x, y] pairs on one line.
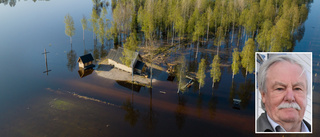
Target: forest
[[156, 27]]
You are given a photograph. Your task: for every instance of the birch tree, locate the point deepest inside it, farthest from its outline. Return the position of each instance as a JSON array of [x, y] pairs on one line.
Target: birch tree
[[235, 62], [247, 56], [84, 24], [215, 70], [201, 74], [69, 27]]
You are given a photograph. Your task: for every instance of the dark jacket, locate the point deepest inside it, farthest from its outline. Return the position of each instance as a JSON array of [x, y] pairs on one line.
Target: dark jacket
[[263, 124]]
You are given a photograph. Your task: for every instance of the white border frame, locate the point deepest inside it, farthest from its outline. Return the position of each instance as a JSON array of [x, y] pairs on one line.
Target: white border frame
[[258, 92]]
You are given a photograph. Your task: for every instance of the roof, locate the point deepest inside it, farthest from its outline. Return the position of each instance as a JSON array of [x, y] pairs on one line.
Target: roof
[[116, 54], [86, 58]]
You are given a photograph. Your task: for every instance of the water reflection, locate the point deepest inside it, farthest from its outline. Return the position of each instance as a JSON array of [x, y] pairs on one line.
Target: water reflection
[[245, 94], [213, 105], [181, 111], [150, 119], [199, 104], [45, 56], [72, 60], [132, 114], [84, 72], [129, 85]]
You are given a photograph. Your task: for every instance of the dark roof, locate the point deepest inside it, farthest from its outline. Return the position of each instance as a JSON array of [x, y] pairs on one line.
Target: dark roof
[[139, 65], [115, 55], [86, 58]]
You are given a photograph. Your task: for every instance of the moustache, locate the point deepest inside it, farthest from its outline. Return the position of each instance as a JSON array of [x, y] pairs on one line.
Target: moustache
[[289, 105]]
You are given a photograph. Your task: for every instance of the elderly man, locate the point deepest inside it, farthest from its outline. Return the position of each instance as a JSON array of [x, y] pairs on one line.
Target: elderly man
[[283, 85]]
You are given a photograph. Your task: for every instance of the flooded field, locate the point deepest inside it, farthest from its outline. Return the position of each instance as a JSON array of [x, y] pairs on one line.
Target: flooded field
[[68, 102]]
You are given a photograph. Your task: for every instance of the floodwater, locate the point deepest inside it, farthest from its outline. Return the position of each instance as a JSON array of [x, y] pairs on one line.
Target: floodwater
[[61, 103]]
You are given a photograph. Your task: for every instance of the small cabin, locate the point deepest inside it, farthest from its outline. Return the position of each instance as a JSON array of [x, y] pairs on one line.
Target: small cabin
[[86, 61]]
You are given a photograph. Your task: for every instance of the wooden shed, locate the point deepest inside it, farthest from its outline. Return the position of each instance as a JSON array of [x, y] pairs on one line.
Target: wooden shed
[[86, 61]]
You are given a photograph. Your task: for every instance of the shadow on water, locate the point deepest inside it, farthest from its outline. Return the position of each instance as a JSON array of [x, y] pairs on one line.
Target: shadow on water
[[132, 114], [72, 60], [85, 72], [129, 85], [150, 119], [180, 113]]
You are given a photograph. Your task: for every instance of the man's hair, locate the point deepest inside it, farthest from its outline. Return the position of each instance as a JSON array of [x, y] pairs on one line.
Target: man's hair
[[262, 73]]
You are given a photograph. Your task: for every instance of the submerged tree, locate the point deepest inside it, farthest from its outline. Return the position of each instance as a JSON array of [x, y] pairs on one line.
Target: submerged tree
[[84, 24], [181, 73], [247, 56], [264, 37], [215, 70], [69, 28], [281, 36], [94, 20], [201, 74], [235, 62]]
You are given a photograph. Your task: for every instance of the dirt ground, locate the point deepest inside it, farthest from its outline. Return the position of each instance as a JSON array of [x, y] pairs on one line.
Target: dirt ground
[[107, 71]]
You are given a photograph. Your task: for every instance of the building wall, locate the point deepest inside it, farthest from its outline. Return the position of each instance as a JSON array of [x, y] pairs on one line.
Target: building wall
[[81, 65], [120, 66]]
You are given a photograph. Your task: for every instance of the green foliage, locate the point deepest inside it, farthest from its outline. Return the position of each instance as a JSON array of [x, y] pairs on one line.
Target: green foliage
[[114, 32], [269, 10], [146, 19], [235, 62], [102, 31], [84, 22], [129, 49], [215, 70], [181, 73], [303, 13], [247, 56], [94, 20], [252, 18], [199, 29], [69, 28], [264, 37], [281, 36], [192, 21], [201, 73]]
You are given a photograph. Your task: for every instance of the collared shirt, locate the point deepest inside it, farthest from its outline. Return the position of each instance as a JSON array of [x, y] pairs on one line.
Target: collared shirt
[[274, 125]]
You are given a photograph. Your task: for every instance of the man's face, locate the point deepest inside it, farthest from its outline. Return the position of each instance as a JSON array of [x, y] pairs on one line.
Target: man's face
[[285, 83]]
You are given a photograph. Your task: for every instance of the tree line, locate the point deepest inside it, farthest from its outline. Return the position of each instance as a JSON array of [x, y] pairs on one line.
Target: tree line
[[265, 25]]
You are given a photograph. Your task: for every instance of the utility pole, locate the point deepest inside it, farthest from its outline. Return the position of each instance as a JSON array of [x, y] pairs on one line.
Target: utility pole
[[45, 56]]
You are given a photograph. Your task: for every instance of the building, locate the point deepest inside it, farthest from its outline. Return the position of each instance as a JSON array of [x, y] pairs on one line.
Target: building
[[137, 66], [86, 61]]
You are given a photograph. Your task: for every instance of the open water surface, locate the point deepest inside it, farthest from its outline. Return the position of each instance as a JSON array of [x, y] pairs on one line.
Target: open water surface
[[60, 103]]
